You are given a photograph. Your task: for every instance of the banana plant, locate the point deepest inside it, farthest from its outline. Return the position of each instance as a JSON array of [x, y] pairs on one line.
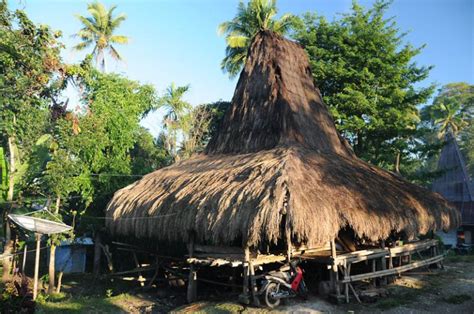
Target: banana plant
[[3, 175]]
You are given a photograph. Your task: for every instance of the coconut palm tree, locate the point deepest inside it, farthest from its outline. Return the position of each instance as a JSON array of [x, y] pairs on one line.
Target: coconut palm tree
[[176, 115], [449, 117], [98, 30], [255, 16]]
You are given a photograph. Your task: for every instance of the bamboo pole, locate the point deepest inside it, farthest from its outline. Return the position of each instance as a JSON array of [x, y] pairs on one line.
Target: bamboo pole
[[37, 260], [25, 250]]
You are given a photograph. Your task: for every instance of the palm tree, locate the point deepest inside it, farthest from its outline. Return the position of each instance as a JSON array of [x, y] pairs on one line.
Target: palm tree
[[449, 117], [255, 16], [176, 115], [98, 30]]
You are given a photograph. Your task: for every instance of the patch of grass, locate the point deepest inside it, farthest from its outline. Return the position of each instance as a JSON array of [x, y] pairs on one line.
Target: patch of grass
[[389, 303], [457, 298], [78, 305], [211, 308], [457, 258]]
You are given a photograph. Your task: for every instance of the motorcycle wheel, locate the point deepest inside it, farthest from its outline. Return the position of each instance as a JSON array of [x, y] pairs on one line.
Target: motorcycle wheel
[[270, 301]]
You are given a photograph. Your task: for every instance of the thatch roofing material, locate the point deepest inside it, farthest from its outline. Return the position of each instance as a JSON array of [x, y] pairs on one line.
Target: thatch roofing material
[[277, 156], [224, 197], [276, 103]]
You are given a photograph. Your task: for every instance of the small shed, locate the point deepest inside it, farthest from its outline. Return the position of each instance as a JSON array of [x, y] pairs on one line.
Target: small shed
[[71, 255]]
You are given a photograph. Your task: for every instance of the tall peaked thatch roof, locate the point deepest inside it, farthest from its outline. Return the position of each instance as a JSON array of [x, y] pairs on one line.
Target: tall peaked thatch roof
[[276, 164], [454, 184]]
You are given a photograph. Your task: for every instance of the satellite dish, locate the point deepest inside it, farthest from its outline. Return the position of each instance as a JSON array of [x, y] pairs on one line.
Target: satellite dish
[[39, 225]]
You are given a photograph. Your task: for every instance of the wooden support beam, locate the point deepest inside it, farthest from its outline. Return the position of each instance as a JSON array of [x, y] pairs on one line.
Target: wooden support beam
[[395, 270], [334, 272], [245, 264], [355, 293], [192, 288], [288, 246], [37, 261], [155, 274], [141, 279], [383, 263], [253, 285]]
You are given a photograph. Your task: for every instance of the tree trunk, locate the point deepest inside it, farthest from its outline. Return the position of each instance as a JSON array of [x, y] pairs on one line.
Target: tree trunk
[[397, 162], [52, 260], [8, 249], [52, 254]]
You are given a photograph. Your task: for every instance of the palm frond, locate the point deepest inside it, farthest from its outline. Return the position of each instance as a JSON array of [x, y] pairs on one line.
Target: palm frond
[[237, 41], [115, 22], [82, 45], [119, 39], [114, 53]]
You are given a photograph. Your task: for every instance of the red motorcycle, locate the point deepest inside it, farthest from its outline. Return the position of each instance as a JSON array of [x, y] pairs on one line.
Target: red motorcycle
[[287, 282]]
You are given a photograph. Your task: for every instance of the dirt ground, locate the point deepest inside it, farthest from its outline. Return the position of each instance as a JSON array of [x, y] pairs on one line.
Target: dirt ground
[[450, 290]]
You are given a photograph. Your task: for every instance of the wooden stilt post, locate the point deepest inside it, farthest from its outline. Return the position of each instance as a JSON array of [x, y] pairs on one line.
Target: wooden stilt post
[[289, 246], [37, 260], [141, 279], [334, 277], [25, 250], [253, 285], [245, 285], [374, 268], [192, 289], [383, 264], [346, 277]]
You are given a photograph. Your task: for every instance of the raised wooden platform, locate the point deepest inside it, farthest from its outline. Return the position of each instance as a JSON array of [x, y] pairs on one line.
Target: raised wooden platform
[[384, 261]]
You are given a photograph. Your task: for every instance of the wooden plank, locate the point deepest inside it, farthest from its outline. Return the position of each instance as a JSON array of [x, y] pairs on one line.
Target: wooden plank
[[360, 258], [395, 270], [218, 249], [415, 246], [132, 271], [217, 255]]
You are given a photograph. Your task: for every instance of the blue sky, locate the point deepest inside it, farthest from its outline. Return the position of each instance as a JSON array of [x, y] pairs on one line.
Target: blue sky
[[177, 41]]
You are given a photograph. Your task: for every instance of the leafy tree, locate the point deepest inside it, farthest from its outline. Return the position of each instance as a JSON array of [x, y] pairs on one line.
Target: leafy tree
[[112, 107], [368, 78], [29, 61], [148, 154], [255, 16], [98, 30]]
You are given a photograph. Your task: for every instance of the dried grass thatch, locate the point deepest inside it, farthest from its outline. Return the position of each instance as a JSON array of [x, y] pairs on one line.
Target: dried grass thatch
[[276, 161]]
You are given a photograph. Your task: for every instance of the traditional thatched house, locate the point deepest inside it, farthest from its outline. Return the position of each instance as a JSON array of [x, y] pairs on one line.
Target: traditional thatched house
[[454, 184], [276, 172]]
